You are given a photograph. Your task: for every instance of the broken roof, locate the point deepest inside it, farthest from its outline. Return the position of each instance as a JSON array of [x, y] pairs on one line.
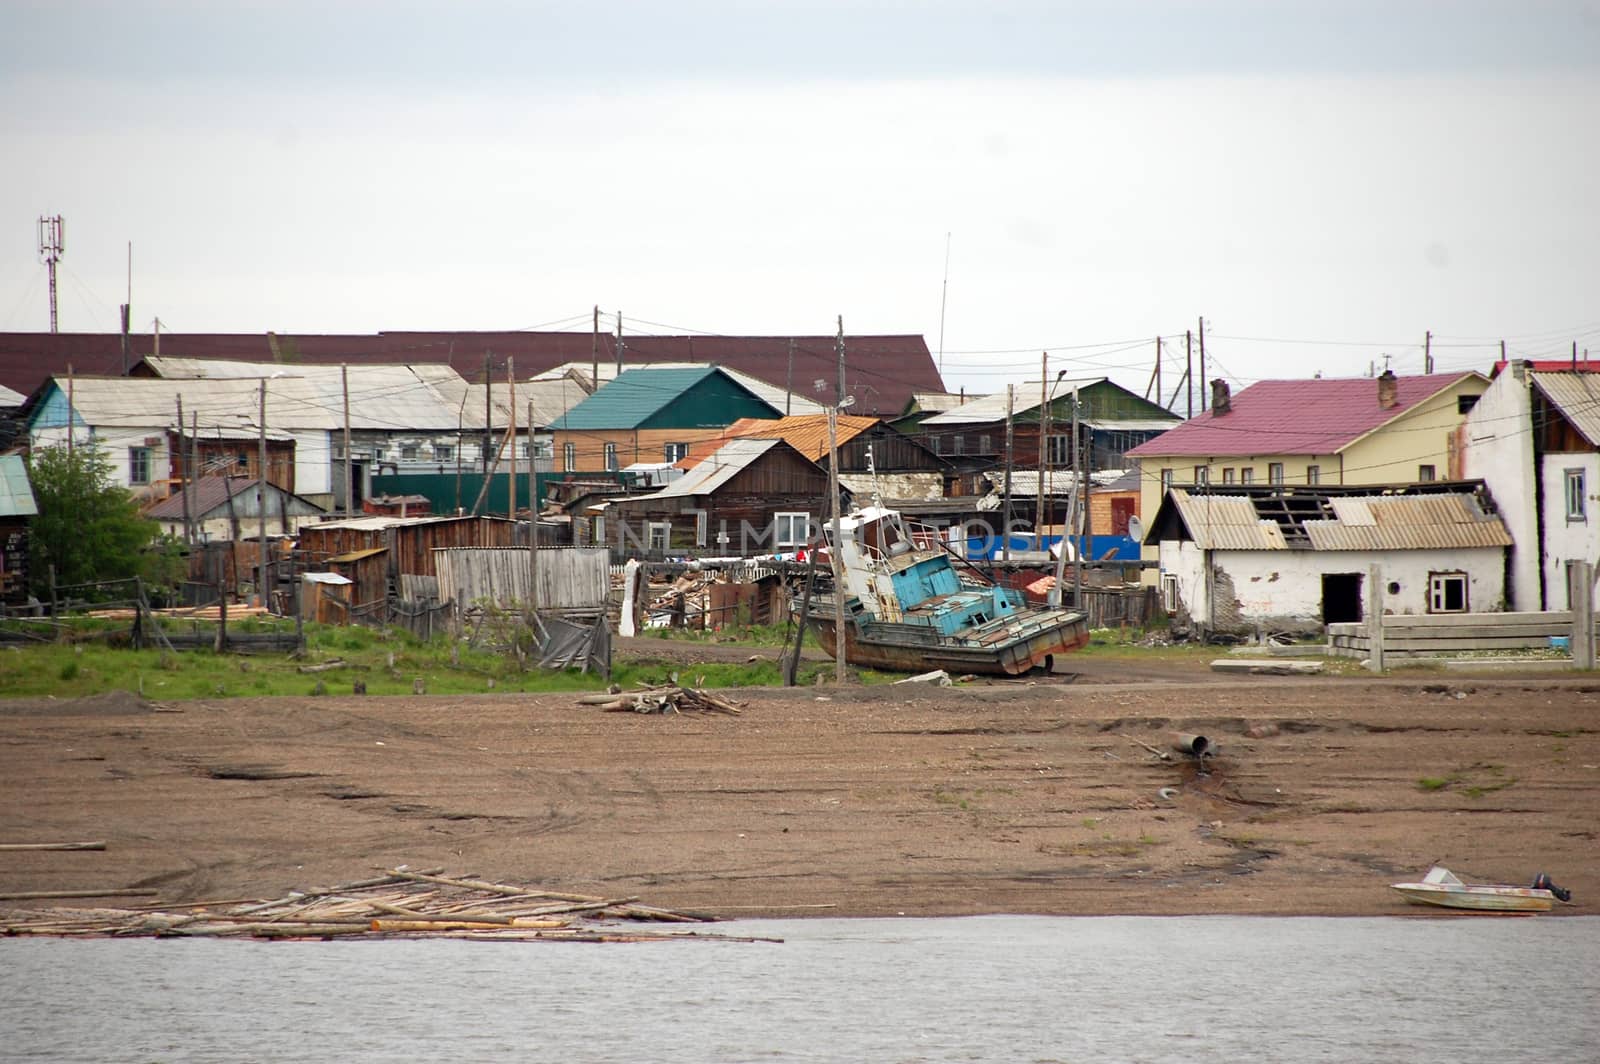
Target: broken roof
[[208, 493], [1445, 516], [1318, 416], [727, 462]]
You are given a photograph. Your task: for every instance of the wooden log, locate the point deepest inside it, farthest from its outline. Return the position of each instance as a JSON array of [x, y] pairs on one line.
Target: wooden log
[[327, 666], [100, 845], [115, 892]]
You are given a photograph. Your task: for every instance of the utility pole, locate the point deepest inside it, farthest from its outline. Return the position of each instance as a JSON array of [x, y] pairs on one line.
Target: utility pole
[[51, 247], [594, 350], [1077, 468], [1005, 504], [127, 313], [261, 502], [155, 328], [183, 479], [788, 383], [1188, 371], [194, 466], [619, 347], [839, 392], [349, 468], [511, 485], [488, 415], [533, 534], [72, 412], [1202, 382], [840, 594], [1044, 434], [1427, 352]]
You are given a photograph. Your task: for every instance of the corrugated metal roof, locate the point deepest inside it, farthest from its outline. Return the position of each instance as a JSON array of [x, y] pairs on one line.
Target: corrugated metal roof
[[1577, 396], [1317, 416], [1226, 522], [776, 397], [16, 494], [806, 433], [711, 473], [920, 487], [938, 402], [382, 397], [633, 398], [993, 407], [1057, 481], [891, 366], [11, 398], [1407, 522]]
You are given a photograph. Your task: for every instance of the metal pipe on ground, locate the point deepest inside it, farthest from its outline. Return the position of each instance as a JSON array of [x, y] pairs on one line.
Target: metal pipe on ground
[[1196, 746]]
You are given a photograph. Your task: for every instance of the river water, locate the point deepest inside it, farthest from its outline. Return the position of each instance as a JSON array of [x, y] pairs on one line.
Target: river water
[[996, 988]]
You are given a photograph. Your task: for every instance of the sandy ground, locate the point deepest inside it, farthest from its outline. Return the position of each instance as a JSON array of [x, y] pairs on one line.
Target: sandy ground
[[1008, 797]]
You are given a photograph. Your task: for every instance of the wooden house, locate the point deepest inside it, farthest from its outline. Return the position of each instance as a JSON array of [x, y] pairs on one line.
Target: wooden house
[[17, 510], [752, 496], [374, 552]]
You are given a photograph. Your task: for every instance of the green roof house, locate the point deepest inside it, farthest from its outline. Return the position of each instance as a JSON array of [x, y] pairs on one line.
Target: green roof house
[[652, 415]]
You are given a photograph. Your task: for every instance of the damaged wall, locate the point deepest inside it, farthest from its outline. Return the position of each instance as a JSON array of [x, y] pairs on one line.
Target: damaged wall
[[1282, 590]]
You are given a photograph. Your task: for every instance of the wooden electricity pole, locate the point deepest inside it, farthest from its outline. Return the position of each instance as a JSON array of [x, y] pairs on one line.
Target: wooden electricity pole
[[264, 569], [1188, 370], [1202, 381], [183, 479], [349, 487], [840, 594], [1044, 434], [1005, 497], [533, 531], [511, 483]]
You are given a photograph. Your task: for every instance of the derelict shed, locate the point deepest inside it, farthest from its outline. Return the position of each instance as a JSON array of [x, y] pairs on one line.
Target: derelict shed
[[223, 507], [374, 552], [17, 510], [752, 496], [1298, 559]]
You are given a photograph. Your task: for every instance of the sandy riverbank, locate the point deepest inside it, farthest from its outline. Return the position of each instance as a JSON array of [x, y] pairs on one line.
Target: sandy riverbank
[[868, 801]]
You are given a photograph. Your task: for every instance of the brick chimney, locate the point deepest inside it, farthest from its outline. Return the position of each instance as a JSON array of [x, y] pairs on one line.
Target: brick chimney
[[1221, 400], [1388, 390]]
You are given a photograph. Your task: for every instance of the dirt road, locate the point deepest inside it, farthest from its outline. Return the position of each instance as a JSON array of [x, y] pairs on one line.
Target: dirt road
[[866, 801]]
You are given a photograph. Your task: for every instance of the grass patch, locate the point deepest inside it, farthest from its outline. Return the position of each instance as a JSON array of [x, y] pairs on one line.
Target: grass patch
[[1474, 781]]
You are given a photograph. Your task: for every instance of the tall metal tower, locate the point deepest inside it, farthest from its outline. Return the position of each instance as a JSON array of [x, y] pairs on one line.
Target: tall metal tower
[[51, 246]]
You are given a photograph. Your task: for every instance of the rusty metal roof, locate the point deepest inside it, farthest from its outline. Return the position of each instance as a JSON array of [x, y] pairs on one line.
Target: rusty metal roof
[[1577, 396]]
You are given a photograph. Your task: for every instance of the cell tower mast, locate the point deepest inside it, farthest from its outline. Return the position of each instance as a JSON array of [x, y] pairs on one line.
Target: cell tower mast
[[51, 247]]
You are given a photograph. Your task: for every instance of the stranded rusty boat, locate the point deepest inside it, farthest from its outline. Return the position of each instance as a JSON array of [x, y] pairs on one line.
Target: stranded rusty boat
[[908, 609]]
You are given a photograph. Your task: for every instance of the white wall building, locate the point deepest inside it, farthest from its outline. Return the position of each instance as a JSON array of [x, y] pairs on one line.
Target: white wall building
[[1297, 559], [1534, 439]]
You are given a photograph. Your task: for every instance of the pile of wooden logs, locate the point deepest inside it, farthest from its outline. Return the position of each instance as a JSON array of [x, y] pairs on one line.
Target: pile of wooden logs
[[399, 903], [666, 699]]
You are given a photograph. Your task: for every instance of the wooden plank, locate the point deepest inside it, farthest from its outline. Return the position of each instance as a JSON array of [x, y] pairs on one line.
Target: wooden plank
[[1267, 666]]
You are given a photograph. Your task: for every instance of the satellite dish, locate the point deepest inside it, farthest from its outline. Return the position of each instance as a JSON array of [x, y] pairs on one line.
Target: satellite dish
[[1135, 529]]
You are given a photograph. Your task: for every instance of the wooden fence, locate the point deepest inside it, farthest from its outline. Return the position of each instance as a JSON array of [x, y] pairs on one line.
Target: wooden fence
[[1429, 635], [571, 579]]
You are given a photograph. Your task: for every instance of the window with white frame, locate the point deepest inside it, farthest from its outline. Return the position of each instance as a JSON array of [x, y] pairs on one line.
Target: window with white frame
[[1060, 450], [1166, 479], [1201, 476], [1577, 496], [986, 444], [1169, 592], [674, 452], [958, 445], [1274, 473], [1229, 474], [1247, 475], [611, 456], [444, 452], [569, 457], [1447, 592], [408, 452], [790, 529], [1426, 473], [658, 534], [138, 465], [1313, 474]]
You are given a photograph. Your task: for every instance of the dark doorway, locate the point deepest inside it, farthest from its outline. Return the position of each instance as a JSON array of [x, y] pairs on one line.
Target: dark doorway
[[1341, 598]]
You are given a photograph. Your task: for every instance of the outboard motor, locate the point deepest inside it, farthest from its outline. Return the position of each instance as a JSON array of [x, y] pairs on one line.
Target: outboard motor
[[1544, 882]]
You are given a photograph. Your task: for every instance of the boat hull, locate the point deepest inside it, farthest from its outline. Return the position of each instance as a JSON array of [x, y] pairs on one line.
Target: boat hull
[[1478, 897], [916, 648]]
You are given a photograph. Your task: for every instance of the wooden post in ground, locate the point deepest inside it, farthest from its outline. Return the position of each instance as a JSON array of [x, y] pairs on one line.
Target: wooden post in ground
[[1580, 598], [1375, 618]]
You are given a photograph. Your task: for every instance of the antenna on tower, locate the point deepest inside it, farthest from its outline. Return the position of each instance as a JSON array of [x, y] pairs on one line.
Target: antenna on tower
[[51, 247]]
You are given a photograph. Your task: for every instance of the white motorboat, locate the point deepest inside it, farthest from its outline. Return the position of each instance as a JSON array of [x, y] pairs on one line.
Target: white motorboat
[[1442, 887]]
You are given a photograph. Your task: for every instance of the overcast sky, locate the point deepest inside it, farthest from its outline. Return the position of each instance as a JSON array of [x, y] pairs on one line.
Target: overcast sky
[[1323, 182]]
